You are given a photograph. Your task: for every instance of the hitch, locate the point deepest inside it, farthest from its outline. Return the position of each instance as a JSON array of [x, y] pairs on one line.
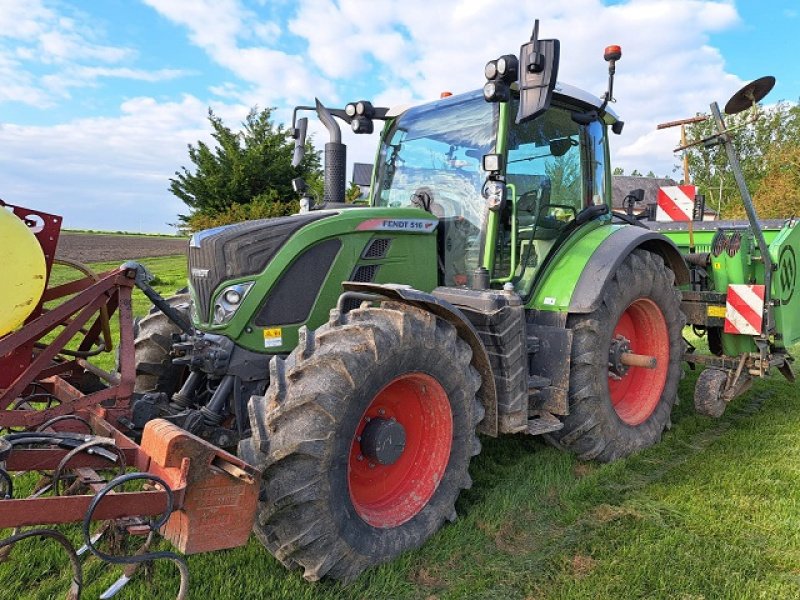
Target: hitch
[[142, 280]]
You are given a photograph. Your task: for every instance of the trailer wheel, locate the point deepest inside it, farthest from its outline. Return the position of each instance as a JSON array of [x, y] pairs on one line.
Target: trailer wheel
[[616, 410], [364, 438], [153, 345], [708, 390]]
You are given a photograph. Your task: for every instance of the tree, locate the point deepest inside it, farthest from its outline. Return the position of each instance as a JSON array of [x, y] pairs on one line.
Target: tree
[[251, 165], [353, 193], [618, 171], [778, 195], [775, 132]]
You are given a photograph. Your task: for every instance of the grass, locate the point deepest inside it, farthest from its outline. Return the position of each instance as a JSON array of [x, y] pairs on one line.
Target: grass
[[711, 512]]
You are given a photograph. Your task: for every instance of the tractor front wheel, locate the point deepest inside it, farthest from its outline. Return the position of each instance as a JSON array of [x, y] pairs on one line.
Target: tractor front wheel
[[153, 348], [364, 438], [616, 409]]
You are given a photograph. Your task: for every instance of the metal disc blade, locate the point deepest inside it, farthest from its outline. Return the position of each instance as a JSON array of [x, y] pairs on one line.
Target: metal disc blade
[[750, 94]]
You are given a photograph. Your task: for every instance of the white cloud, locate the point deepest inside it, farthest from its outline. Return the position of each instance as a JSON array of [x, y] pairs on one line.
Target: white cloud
[[43, 54], [408, 51], [420, 48], [104, 172], [224, 28]]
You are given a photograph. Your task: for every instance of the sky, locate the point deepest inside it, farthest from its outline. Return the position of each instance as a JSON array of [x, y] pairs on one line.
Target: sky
[[100, 98]]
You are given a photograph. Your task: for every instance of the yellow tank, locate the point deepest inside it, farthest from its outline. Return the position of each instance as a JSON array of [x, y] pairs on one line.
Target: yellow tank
[[22, 271]]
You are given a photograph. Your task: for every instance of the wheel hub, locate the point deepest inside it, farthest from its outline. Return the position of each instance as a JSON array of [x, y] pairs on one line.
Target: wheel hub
[[400, 450], [640, 333], [383, 441], [619, 346]]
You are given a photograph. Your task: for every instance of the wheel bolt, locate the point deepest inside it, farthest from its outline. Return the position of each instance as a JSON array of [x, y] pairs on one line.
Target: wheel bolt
[[381, 411], [360, 457], [371, 465]]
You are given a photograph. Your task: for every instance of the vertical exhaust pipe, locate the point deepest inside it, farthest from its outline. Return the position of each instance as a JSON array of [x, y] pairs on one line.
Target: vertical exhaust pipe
[[335, 157]]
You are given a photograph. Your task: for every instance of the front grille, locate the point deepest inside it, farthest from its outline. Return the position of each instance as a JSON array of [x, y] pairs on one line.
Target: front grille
[[234, 251]]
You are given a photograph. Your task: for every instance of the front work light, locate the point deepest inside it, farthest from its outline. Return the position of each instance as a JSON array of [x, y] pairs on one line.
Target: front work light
[[228, 302]]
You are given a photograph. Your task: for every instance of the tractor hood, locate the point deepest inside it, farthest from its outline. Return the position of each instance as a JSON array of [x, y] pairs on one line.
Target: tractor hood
[[258, 282], [234, 251]]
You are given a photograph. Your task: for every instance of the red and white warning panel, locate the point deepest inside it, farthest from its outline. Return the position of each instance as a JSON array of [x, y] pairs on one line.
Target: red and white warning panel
[[675, 203], [744, 309]]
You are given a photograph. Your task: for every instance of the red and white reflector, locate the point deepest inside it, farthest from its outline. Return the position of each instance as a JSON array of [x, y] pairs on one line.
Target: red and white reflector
[[744, 309], [675, 203]]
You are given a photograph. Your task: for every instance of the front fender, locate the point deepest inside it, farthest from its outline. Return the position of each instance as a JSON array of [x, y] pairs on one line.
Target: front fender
[[487, 393]]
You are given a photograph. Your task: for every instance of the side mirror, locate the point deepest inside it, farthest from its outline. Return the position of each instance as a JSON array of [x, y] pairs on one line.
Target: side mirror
[[633, 197], [637, 194], [538, 71], [299, 135]]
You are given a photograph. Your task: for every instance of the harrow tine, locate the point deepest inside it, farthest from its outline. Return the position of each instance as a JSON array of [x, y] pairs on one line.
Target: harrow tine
[[115, 587], [94, 539]]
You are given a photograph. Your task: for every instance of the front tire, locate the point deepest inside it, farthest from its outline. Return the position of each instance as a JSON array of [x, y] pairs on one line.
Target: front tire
[[364, 438], [153, 349], [614, 411]]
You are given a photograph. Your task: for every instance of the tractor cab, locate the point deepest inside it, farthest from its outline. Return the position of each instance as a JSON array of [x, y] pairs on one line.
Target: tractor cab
[[550, 169], [510, 173]]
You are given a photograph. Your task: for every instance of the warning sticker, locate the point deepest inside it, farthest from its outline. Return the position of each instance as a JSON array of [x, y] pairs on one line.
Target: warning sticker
[[716, 311], [273, 337]]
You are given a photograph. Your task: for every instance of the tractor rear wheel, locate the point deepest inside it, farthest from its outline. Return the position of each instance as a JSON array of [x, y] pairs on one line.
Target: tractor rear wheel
[[364, 439], [614, 409], [153, 346]]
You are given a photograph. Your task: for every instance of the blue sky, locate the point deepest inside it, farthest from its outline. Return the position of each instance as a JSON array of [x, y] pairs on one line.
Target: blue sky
[[100, 98]]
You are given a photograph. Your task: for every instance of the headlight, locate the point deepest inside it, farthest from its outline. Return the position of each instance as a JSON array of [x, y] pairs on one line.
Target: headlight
[[232, 296], [228, 301]]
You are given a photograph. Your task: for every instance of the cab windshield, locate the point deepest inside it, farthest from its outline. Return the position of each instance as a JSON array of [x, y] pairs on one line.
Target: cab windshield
[[431, 158]]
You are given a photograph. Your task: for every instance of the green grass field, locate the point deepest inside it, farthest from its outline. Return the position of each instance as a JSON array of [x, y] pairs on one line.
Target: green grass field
[[711, 512]]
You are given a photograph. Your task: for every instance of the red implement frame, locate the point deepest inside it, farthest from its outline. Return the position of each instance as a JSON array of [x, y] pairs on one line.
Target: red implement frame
[[215, 494], [91, 298]]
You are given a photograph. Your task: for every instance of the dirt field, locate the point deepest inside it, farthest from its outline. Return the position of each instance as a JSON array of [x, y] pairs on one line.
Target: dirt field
[[91, 247]]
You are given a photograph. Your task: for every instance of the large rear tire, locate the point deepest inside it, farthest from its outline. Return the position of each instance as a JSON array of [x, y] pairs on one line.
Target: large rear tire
[[615, 411], [364, 438], [153, 349]]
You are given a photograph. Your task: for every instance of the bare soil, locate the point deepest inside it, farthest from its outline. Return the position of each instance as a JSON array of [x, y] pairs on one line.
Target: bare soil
[[92, 247]]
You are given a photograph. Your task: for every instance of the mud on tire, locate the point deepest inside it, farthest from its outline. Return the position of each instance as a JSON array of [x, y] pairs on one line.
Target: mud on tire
[[314, 513], [602, 425], [153, 345]]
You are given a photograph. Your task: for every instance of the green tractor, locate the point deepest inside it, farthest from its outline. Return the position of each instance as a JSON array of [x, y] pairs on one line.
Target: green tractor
[[354, 353]]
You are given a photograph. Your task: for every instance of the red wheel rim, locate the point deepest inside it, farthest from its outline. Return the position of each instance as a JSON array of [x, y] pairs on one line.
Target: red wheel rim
[[636, 394], [389, 495]]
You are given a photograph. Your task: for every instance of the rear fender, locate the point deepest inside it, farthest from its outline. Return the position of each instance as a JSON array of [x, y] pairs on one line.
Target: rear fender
[[487, 394], [609, 256]]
